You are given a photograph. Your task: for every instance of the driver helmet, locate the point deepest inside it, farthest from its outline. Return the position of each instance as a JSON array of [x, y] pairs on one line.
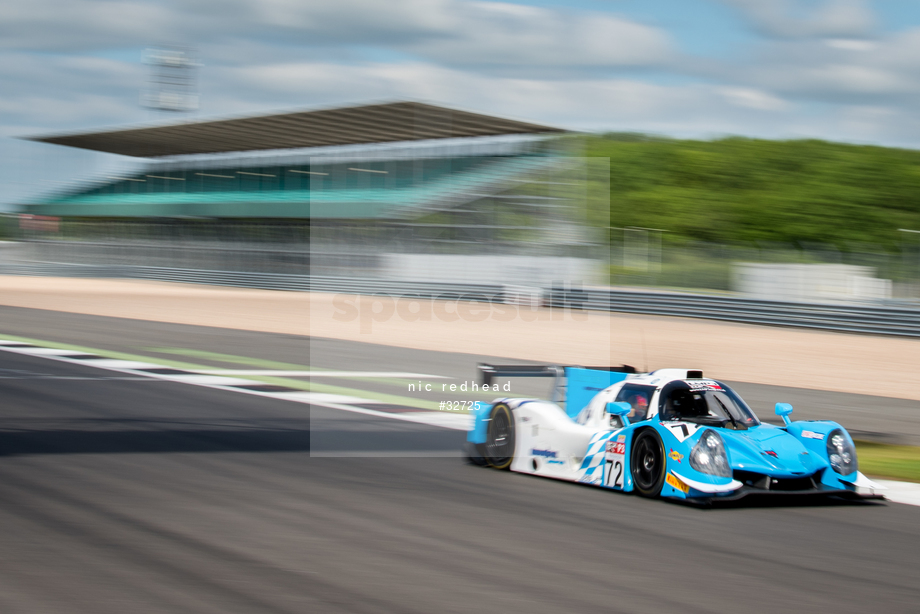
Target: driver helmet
[[640, 406]]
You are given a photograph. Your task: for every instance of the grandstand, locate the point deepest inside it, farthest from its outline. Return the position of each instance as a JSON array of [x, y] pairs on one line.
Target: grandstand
[[347, 184], [315, 164]]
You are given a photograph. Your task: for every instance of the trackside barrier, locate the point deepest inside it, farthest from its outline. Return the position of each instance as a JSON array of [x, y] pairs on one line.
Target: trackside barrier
[[265, 281], [904, 321], [880, 320]]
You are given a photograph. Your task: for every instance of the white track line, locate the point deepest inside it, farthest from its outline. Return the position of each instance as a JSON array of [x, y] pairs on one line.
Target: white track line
[[901, 492], [898, 492], [331, 401], [102, 363], [279, 373]]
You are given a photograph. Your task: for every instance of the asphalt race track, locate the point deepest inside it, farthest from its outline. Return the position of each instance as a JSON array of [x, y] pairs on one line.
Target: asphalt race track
[[878, 418], [126, 494]]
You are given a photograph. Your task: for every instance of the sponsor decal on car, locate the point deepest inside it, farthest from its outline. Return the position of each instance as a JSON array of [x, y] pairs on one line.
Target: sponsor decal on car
[[676, 456], [681, 430], [544, 453], [588, 479], [621, 437], [704, 385], [812, 435], [673, 481], [616, 447], [555, 462]]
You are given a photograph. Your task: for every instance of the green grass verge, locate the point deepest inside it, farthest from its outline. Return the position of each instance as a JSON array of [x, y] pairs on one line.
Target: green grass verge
[[887, 461]]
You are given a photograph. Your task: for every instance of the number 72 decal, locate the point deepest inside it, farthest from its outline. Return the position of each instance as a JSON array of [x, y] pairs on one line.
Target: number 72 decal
[[613, 463]]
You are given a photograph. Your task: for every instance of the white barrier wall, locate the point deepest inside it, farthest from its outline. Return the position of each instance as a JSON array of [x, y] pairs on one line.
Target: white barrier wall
[[11, 251], [809, 282], [525, 271]]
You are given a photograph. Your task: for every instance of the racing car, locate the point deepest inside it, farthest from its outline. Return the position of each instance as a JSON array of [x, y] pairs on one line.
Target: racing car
[[669, 433]]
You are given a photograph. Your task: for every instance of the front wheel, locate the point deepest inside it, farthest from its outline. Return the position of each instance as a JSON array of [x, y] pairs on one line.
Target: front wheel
[[499, 447], [647, 463]]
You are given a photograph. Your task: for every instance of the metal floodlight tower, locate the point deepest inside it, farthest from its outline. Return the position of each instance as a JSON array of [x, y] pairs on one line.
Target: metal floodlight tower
[[172, 85]]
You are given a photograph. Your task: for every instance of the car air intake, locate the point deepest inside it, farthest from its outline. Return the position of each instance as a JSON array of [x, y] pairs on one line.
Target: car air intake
[[694, 375], [765, 482]]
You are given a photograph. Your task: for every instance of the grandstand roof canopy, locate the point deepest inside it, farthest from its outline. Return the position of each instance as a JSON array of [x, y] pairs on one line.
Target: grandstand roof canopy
[[379, 123]]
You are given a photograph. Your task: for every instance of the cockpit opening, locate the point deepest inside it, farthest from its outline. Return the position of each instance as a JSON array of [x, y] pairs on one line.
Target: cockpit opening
[[705, 402]]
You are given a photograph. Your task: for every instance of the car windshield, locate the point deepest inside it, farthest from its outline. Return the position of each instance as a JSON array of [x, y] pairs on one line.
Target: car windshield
[[706, 402]]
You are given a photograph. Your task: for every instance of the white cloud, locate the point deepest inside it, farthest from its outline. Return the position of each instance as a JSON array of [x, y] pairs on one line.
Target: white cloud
[[67, 90], [883, 72], [453, 32], [753, 99], [53, 25], [585, 103], [497, 34], [586, 70], [850, 44], [792, 19]]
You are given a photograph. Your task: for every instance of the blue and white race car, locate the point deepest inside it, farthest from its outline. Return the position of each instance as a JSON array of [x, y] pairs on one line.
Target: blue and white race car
[[669, 433]]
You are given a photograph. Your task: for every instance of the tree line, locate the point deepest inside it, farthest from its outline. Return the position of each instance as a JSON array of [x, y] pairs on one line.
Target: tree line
[[753, 191]]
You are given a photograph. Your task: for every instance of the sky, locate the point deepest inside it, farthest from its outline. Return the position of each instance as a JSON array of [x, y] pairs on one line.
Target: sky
[[841, 70]]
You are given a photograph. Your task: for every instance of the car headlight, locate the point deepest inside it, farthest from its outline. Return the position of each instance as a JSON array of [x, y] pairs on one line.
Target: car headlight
[[709, 456], [840, 452]]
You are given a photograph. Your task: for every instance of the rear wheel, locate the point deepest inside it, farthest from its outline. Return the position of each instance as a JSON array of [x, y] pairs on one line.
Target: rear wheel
[[499, 447], [647, 463], [475, 454]]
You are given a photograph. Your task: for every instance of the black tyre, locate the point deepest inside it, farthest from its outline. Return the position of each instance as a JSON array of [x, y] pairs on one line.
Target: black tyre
[[647, 463], [499, 447], [474, 454]]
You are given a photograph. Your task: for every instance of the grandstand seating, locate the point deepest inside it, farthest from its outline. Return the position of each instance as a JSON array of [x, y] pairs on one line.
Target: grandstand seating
[[398, 188]]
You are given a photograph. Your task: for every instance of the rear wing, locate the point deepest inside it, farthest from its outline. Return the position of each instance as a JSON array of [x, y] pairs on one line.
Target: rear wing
[[489, 372], [575, 385]]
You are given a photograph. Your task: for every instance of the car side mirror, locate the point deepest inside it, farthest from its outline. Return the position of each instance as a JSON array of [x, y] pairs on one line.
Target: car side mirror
[[783, 410], [620, 409]]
